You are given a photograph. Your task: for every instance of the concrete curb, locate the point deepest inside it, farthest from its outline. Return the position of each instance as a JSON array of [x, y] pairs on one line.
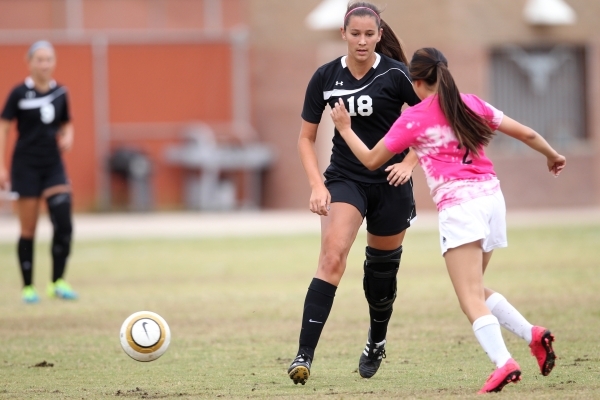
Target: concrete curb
[[255, 223]]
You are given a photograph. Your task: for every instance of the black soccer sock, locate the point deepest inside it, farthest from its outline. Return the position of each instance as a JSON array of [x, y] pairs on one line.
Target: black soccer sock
[[25, 252], [379, 324], [317, 305], [380, 319], [59, 207]]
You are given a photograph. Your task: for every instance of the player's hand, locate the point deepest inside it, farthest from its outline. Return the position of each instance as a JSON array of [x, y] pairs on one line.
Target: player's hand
[[4, 179], [556, 164], [320, 200], [399, 173], [340, 116], [65, 142]]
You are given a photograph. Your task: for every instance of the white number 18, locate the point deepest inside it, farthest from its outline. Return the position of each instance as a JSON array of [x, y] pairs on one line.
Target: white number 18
[[365, 106]]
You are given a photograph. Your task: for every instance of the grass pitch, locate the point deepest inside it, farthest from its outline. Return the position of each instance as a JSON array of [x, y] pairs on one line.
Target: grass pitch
[[234, 307]]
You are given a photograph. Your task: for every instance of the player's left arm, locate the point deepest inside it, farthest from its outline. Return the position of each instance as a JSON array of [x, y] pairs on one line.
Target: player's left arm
[[556, 162], [66, 136], [371, 158], [66, 133]]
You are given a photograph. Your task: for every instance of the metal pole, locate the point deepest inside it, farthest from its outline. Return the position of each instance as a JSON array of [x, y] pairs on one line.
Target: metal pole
[[240, 83], [240, 99], [213, 15], [101, 120], [74, 11]]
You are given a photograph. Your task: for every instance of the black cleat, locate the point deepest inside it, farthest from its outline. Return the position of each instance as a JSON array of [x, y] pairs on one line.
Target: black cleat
[[371, 357], [299, 370]]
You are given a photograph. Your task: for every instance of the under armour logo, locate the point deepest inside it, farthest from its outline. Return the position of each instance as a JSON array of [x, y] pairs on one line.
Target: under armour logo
[[341, 83]]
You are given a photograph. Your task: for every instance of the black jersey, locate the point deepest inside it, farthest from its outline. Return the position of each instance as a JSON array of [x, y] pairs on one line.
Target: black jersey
[[39, 118], [374, 103]]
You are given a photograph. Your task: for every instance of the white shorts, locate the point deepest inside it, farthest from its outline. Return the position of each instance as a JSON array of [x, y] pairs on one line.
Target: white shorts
[[483, 218]]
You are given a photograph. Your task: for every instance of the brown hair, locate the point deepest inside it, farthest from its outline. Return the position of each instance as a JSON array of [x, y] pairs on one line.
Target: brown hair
[[471, 130], [389, 44]]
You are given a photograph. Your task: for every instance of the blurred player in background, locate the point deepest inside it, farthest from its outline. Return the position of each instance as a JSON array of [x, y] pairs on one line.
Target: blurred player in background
[[373, 80], [448, 131], [37, 173]]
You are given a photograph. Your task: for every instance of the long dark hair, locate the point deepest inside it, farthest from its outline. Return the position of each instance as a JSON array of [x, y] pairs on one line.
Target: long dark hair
[[471, 130], [389, 44]]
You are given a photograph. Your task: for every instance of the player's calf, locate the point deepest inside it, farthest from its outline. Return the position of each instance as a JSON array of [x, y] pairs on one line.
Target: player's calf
[[379, 284]]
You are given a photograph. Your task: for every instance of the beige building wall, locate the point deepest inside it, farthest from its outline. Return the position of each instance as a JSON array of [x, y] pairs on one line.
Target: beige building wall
[[285, 53]]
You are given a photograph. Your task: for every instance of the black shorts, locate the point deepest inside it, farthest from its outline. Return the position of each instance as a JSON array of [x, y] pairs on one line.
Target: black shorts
[[30, 180], [388, 209]]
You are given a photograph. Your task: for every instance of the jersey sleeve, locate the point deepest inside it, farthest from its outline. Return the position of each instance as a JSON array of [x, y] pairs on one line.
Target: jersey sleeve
[[492, 115], [406, 89], [314, 103], [402, 134], [66, 114], [11, 106]]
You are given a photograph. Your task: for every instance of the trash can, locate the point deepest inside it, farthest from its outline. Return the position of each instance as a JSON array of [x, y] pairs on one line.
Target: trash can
[[136, 168]]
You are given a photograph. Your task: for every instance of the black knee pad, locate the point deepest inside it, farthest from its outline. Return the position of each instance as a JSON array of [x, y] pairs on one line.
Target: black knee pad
[[59, 208], [380, 282]]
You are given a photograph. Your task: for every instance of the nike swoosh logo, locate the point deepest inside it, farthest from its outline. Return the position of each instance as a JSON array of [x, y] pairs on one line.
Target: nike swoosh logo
[[380, 321], [144, 326], [316, 322]]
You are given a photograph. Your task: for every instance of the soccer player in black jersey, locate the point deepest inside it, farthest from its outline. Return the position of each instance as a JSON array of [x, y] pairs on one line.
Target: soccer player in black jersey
[[41, 109], [372, 80]]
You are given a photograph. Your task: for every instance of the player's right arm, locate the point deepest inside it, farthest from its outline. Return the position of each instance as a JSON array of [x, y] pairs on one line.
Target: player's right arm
[[9, 112], [531, 138], [319, 197], [4, 177]]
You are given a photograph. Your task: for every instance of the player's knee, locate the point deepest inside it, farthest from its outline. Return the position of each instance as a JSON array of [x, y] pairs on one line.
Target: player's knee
[[380, 281], [332, 263], [28, 231], [472, 306]]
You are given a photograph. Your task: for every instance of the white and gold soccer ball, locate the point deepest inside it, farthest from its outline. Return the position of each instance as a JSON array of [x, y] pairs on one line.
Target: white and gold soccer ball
[[145, 336]]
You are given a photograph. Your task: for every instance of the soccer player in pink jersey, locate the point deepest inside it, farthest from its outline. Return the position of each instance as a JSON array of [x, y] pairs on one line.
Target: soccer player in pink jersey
[[448, 131]]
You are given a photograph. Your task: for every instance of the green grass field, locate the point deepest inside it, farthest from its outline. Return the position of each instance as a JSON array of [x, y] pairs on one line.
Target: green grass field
[[234, 308]]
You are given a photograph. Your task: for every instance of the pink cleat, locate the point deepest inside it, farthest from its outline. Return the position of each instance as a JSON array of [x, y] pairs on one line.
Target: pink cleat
[[541, 348], [510, 372]]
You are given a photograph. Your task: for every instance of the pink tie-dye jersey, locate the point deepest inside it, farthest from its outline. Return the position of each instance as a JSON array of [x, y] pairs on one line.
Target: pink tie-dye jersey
[[454, 176]]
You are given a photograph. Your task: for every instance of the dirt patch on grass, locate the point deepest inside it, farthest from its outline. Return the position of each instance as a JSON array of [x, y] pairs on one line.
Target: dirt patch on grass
[[43, 364], [145, 394]]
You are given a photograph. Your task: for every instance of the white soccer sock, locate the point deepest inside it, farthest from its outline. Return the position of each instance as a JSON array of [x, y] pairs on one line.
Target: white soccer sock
[[509, 317], [487, 331]]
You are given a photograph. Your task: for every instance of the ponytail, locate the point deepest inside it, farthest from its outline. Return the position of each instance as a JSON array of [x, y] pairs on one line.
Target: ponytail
[[389, 44], [471, 130]]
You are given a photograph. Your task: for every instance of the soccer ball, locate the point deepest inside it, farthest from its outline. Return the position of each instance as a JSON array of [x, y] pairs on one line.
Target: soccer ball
[[145, 336]]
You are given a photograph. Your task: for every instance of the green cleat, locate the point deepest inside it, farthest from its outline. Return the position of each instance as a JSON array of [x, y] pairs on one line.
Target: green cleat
[[61, 290], [29, 295]]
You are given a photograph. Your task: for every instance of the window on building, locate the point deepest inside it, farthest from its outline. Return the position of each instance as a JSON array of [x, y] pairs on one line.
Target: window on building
[[544, 88]]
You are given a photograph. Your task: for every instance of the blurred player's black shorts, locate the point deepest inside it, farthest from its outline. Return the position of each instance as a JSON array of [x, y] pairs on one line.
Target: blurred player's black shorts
[[30, 180]]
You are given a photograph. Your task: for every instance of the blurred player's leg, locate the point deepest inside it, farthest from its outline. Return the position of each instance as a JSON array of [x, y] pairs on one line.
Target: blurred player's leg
[[28, 209], [59, 207]]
